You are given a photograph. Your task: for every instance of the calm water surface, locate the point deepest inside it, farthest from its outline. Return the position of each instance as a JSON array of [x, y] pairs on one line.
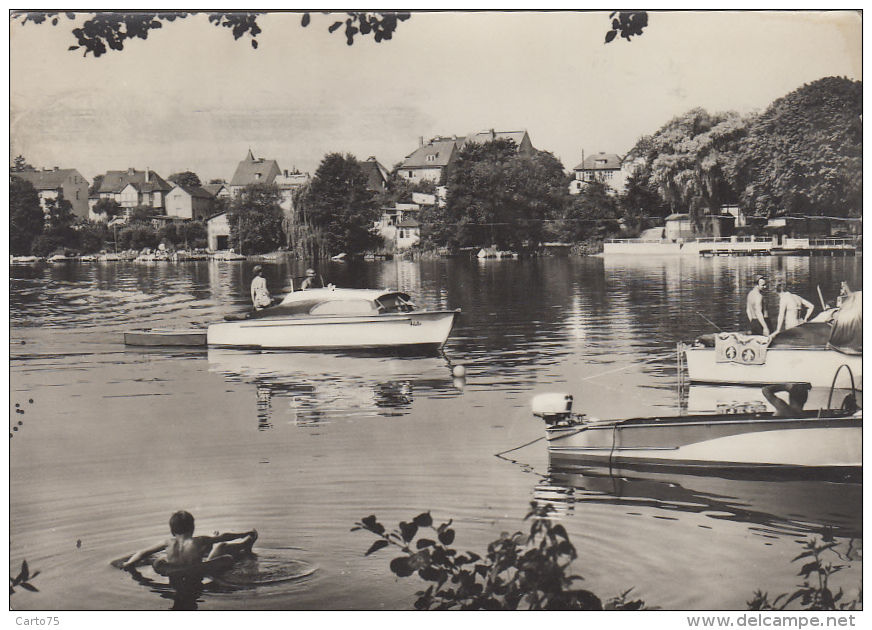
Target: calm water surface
[[301, 446]]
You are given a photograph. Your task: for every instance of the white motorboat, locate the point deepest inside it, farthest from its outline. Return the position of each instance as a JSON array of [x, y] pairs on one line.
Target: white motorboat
[[812, 352], [830, 441], [337, 318]]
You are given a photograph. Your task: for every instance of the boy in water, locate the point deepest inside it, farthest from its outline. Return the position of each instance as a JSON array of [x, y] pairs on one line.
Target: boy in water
[[186, 551]]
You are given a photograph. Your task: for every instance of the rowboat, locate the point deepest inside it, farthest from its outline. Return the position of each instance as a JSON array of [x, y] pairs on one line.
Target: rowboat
[[828, 442], [157, 337], [812, 352], [337, 318]]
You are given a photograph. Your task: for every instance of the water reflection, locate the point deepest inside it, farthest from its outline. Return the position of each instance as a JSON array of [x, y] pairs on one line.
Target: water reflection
[[775, 505], [312, 387]]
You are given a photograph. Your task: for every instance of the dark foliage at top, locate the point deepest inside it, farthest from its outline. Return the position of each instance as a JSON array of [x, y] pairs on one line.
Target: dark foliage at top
[[104, 31]]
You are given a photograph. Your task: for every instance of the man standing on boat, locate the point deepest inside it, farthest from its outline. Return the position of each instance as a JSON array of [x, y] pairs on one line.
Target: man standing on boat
[[260, 296], [758, 314]]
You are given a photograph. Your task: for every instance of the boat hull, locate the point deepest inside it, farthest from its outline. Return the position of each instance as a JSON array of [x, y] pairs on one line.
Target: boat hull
[[817, 366], [424, 330], [708, 444], [169, 337]]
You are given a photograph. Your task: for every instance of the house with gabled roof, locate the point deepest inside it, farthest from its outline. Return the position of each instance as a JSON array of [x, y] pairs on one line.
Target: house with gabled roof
[[192, 203], [435, 159], [520, 138], [132, 188], [607, 168], [253, 170], [376, 174], [219, 191], [50, 183]]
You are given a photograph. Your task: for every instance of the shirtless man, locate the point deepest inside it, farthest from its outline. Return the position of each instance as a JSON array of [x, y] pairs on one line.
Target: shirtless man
[[756, 309], [186, 551]]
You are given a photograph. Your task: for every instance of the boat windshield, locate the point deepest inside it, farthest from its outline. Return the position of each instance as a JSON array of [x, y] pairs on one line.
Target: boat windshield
[[395, 302]]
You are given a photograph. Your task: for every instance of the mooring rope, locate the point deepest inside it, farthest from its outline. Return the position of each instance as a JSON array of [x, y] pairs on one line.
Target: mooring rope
[[519, 447]]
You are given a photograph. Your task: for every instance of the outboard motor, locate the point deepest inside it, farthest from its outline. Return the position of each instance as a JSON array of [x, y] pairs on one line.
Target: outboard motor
[[554, 409]]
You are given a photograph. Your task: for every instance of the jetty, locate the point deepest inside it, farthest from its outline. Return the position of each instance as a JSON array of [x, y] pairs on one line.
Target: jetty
[[732, 246]]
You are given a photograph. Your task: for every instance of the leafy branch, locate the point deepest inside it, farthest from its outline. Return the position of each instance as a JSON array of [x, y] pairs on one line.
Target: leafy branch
[[518, 572], [814, 593], [627, 23], [23, 579]]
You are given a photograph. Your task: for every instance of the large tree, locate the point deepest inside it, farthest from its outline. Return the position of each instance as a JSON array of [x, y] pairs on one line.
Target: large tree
[[804, 154], [690, 161], [108, 207], [20, 165], [186, 179], [338, 208], [591, 213], [497, 196], [59, 233], [26, 216], [256, 219]]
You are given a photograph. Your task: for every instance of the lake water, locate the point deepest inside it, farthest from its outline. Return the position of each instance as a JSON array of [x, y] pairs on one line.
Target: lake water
[[108, 441]]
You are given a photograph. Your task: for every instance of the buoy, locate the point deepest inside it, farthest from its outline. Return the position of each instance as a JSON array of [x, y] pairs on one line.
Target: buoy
[[459, 371]]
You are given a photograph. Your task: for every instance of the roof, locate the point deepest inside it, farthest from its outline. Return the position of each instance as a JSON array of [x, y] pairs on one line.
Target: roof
[[678, 217], [253, 170], [488, 136], [376, 174], [195, 191], [600, 162], [49, 179], [435, 154], [408, 222], [213, 189], [116, 181]]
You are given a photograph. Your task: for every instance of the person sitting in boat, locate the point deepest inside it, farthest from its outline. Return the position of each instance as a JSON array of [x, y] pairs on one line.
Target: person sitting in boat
[[311, 281], [188, 553], [797, 395], [790, 308], [758, 314], [260, 296]]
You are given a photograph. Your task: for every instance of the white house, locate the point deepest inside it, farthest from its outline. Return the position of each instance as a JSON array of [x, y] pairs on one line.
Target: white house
[[189, 202], [218, 232]]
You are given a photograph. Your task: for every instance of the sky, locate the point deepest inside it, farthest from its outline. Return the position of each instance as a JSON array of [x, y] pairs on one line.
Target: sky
[[190, 97]]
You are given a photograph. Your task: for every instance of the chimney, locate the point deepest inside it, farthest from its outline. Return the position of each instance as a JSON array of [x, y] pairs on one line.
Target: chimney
[[493, 135], [55, 168], [131, 171], [420, 141], [286, 172], [147, 174]]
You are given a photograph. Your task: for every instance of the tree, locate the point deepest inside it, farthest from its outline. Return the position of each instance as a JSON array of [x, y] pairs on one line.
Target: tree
[[143, 214], [186, 179], [627, 23], [95, 186], [256, 219], [592, 212], [690, 159], [338, 208], [58, 233], [20, 165], [804, 153], [26, 216], [499, 197], [108, 207]]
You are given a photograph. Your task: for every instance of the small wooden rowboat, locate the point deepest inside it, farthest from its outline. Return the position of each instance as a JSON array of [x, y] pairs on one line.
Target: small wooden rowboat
[[182, 337]]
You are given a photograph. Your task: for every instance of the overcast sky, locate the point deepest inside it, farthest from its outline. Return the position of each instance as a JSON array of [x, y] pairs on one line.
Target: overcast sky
[[191, 98]]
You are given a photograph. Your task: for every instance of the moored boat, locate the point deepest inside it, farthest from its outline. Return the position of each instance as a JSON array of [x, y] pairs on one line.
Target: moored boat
[[166, 337], [337, 318], [812, 352], [828, 442]]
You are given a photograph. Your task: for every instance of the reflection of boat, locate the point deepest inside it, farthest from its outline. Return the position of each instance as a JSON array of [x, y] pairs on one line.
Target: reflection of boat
[[811, 352], [334, 383], [794, 506], [732, 444], [332, 318], [733, 399]]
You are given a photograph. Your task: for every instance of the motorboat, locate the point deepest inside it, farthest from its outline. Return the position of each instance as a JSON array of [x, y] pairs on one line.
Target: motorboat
[[824, 442], [337, 318], [812, 352]]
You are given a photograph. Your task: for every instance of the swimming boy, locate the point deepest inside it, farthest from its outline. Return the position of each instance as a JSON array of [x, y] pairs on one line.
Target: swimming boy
[[184, 551]]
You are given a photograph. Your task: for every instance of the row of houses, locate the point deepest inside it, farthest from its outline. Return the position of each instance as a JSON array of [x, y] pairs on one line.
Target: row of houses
[[431, 161]]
